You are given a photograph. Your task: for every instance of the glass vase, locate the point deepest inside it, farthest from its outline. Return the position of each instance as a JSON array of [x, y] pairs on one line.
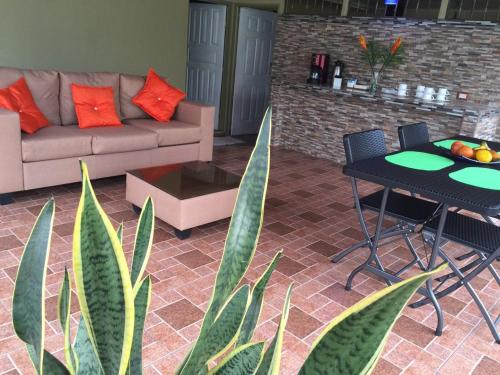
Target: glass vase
[[374, 84]]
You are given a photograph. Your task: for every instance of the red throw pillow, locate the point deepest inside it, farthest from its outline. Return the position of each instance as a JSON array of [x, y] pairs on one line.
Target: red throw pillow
[[94, 106], [17, 97], [157, 98]]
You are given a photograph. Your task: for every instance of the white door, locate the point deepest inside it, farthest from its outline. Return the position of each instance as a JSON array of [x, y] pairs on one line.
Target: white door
[[207, 23], [253, 70]]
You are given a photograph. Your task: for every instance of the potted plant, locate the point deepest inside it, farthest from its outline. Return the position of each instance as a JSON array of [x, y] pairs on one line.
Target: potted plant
[[380, 57]]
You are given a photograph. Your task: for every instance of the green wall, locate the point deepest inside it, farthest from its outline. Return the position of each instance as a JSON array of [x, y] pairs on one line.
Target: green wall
[[96, 35]]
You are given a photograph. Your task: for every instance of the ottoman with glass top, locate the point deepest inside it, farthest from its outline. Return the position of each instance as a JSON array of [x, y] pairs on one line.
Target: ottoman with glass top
[[185, 195]]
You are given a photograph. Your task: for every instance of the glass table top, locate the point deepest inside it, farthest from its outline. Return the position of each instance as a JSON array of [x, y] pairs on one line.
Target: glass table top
[[188, 180]]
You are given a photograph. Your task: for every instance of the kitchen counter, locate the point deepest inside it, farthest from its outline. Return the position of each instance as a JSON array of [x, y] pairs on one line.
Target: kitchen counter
[[312, 118]]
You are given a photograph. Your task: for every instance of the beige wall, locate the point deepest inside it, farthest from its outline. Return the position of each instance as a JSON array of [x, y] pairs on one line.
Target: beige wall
[[96, 35]]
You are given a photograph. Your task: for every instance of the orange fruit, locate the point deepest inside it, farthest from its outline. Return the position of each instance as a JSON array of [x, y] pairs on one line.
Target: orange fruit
[[484, 156], [495, 155], [466, 151], [455, 147]]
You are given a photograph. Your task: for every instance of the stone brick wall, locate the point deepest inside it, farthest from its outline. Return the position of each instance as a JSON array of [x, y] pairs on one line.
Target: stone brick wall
[[456, 55]]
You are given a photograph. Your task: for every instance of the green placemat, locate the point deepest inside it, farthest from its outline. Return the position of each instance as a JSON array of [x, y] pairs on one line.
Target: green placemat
[[448, 142], [483, 178], [421, 161]]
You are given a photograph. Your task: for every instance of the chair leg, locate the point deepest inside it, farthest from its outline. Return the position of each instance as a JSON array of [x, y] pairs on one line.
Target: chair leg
[[414, 253], [6, 199], [374, 245]]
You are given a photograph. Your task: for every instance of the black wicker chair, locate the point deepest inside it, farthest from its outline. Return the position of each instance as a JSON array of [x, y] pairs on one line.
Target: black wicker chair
[[409, 211], [484, 240], [413, 135]]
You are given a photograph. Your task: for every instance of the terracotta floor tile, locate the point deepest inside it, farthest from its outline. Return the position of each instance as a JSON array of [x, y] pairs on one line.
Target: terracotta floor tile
[[324, 248], [353, 233], [194, 259], [312, 217], [340, 207], [384, 367], [337, 293], [303, 193], [275, 202], [64, 230], [300, 324], [124, 216], [180, 314], [9, 242], [279, 228], [413, 331], [327, 186], [487, 366], [289, 267]]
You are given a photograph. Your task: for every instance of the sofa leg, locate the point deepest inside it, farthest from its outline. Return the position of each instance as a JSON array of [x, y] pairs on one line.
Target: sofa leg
[[6, 199]]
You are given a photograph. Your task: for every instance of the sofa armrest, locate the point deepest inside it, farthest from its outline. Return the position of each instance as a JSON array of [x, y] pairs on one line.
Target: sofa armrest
[[11, 162], [203, 115]]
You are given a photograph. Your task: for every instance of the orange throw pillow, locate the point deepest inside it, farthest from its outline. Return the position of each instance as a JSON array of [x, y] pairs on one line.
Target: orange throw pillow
[[94, 106], [157, 98], [17, 98]]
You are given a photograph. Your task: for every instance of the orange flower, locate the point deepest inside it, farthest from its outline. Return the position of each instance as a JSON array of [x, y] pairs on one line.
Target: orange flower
[[362, 41], [396, 46]]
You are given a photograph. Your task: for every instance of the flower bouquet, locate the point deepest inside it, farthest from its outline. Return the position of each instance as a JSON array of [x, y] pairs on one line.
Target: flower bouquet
[[379, 57]]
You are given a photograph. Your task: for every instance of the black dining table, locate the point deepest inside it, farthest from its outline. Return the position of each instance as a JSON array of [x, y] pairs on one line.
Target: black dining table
[[435, 185]]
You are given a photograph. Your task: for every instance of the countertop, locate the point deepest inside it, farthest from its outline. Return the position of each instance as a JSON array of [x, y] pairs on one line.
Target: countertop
[[452, 107]]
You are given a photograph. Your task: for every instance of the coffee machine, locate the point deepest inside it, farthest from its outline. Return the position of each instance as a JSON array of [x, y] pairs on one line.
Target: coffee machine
[[319, 68]]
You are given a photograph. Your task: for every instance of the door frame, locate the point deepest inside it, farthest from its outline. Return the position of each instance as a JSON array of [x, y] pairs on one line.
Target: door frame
[[230, 49]]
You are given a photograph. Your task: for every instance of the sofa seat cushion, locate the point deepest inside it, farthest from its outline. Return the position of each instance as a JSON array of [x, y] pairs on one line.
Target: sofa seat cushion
[[56, 142], [170, 133], [109, 140]]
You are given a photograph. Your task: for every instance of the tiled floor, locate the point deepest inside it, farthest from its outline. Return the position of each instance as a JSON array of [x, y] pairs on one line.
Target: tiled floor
[[309, 216]]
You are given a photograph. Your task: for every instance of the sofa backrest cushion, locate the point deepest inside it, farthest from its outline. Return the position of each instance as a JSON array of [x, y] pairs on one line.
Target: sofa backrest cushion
[[44, 87], [130, 85], [68, 114]]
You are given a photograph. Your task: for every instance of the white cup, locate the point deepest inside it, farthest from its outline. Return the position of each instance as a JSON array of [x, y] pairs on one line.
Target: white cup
[[403, 89], [429, 94], [442, 92], [420, 91]]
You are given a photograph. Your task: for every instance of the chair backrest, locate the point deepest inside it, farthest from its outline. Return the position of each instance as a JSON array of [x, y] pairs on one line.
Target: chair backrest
[[364, 145], [413, 135]]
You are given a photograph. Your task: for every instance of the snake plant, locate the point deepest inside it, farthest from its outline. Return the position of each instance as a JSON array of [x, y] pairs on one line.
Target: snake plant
[[114, 300]]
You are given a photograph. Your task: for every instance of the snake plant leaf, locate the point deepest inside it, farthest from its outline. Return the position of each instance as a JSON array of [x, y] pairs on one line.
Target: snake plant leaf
[[87, 361], [28, 310], [143, 241], [52, 366], [353, 341], [119, 233], [245, 226], [270, 364], [142, 300], [102, 282], [64, 314], [242, 361], [221, 335], [253, 313]]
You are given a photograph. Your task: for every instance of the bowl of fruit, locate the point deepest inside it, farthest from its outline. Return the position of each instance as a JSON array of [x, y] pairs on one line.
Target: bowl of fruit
[[482, 154]]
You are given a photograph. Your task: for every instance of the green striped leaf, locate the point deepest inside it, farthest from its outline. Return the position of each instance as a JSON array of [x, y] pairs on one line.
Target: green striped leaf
[[87, 360], [28, 309], [102, 283], [245, 226], [143, 241], [142, 300], [119, 233], [271, 361], [221, 335], [64, 314], [353, 341], [51, 365], [253, 313], [242, 361]]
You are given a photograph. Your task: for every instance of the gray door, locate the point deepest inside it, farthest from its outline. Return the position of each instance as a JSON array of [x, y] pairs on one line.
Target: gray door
[[207, 24], [253, 70]]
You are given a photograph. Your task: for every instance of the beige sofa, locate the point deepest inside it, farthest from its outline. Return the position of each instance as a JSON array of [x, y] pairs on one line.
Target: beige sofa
[[51, 156]]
